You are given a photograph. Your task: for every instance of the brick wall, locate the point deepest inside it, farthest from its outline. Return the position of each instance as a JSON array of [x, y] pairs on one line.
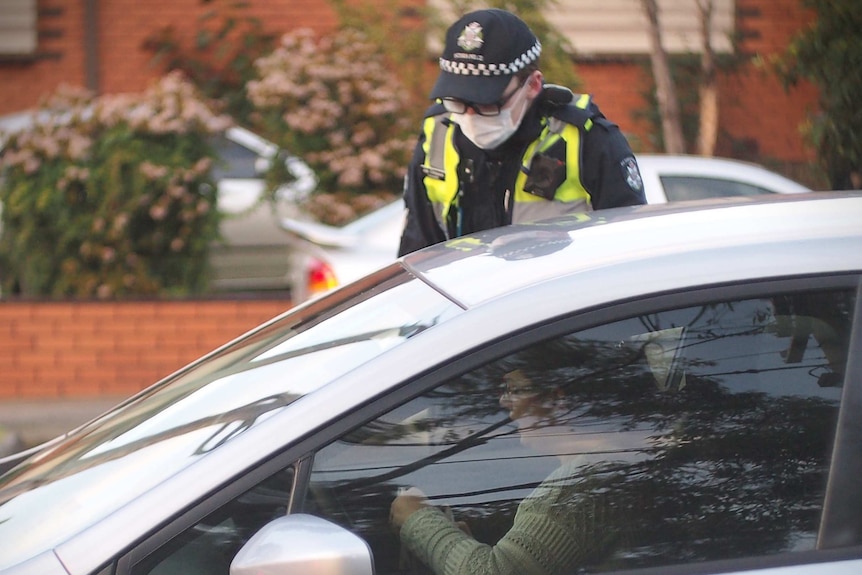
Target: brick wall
[[125, 66], [754, 111], [617, 88], [754, 107], [122, 28], [89, 349]]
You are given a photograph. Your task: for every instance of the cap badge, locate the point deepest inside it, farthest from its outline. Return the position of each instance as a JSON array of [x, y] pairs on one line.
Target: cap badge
[[471, 38]]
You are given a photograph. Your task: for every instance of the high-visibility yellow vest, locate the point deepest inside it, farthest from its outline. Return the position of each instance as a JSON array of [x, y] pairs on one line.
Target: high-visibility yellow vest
[[442, 159]]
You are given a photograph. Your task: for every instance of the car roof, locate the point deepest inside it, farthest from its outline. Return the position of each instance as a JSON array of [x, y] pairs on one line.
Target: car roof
[[711, 234]]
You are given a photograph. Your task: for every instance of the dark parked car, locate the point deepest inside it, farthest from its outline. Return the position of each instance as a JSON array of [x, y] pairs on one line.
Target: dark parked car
[[676, 386]]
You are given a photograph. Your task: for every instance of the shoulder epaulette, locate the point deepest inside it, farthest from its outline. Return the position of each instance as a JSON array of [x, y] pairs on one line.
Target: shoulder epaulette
[[579, 112], [435, 109]]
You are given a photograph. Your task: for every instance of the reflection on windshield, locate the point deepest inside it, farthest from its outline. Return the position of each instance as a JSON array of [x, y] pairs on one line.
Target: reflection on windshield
[[167, 428], [693, 434]]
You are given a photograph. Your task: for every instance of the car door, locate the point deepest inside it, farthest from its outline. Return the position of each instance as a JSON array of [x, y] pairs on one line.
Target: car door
[[700, 432]]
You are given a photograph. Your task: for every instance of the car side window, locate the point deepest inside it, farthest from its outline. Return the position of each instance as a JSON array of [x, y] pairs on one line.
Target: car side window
[[235, 161], [679, 188], [209, 546], [680, 436]]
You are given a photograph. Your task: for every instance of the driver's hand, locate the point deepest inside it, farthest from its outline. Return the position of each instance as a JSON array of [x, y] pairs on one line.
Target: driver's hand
[[406, 504]]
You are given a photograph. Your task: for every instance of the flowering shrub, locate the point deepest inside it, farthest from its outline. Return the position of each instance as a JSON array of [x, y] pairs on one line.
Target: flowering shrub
[[334, 102], [110, 196]]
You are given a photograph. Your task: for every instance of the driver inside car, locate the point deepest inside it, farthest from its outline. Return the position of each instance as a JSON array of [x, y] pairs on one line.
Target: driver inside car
[[562, 524]]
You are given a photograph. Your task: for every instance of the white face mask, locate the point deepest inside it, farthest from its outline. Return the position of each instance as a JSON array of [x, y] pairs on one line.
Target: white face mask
[[488, 132]]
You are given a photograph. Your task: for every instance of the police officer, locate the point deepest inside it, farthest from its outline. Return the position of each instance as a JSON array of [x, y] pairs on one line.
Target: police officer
[[499, 146]]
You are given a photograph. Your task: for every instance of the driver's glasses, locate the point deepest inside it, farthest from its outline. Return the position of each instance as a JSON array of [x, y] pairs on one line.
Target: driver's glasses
[[456, 106]]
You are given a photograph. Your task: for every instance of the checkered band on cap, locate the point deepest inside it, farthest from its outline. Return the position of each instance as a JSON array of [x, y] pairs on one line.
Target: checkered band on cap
[[483, 69]]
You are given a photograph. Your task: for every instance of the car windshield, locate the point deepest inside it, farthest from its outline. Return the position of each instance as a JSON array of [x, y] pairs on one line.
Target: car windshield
[[129, 450]]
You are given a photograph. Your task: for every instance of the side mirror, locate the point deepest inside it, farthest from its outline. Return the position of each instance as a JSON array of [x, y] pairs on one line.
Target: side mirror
[[303, 545]]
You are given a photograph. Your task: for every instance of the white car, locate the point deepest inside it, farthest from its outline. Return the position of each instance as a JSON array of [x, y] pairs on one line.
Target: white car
[[674, 178], [641, 393], [254, 251], [326, 256]]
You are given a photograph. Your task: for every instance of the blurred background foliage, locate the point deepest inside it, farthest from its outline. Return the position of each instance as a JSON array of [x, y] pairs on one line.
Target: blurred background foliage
[[335, 102], [110, 196], [829, 55], [219, 60]]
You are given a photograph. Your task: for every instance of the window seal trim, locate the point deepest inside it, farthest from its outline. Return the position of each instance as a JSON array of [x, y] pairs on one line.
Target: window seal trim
[[841, 524]]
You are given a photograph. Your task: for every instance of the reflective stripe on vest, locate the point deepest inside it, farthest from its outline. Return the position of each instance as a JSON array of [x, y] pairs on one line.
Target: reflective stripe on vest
[[441, 159], [441, 170]]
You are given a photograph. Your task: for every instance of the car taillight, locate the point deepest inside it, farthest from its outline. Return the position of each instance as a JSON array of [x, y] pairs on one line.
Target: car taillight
[[321, 278]]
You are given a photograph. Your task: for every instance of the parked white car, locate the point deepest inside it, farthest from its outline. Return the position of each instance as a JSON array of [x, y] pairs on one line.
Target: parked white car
[[254, 253], [674, 178], [326, 256]]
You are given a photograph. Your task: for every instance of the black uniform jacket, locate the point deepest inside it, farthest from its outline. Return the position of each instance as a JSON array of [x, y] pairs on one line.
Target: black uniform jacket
[[606, 164]]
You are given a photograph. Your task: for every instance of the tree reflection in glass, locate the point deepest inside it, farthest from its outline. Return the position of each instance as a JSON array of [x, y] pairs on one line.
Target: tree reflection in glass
[[686, 435]]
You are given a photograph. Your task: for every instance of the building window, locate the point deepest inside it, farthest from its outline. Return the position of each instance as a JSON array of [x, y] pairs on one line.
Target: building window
[[619, 27], [17, 27]]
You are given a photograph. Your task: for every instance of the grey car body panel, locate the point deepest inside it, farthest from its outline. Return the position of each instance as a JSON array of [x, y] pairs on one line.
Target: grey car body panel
[[807, 239]]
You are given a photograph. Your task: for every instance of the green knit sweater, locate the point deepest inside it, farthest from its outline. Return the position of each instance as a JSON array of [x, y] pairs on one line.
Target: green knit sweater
[[555, 530]]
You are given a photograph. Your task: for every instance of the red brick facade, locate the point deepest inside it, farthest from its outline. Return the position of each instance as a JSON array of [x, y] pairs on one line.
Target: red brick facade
[[88, 349], [120, 63], [754, 107]]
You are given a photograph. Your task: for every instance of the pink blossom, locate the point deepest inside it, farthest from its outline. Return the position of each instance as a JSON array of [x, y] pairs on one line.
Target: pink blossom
[[152, 171], [120, 222], [158, 212], [31, 165], [104, 291]]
